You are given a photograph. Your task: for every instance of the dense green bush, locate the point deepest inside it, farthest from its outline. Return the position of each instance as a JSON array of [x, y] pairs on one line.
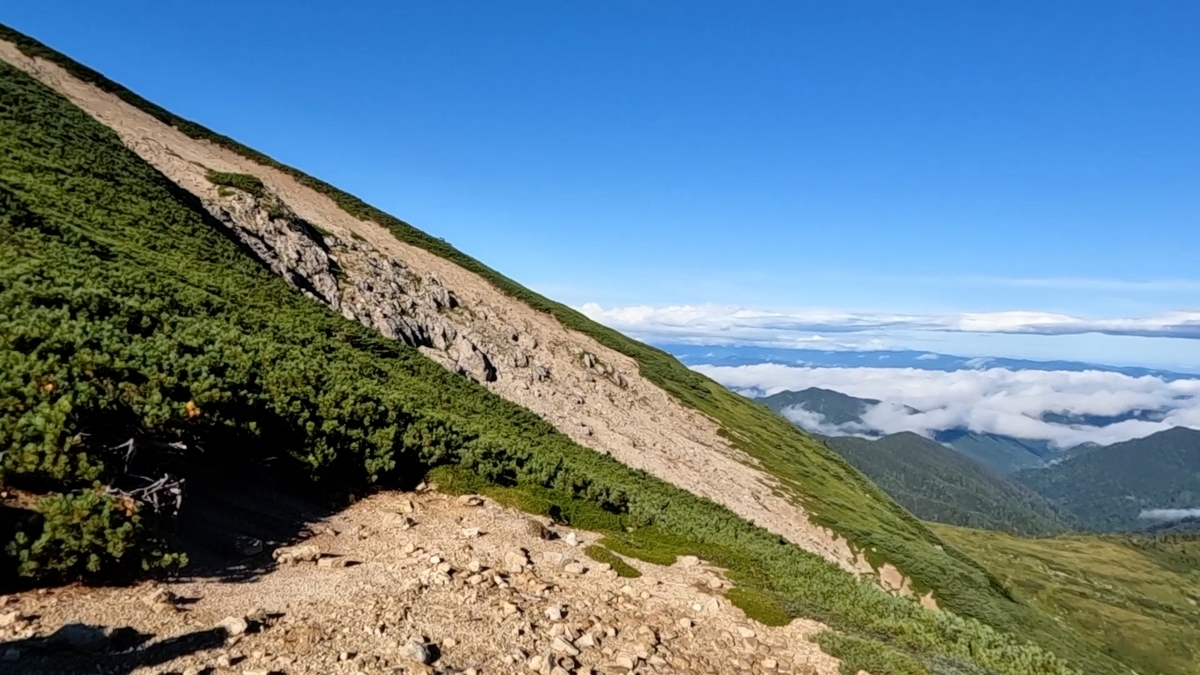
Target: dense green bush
[[88, 532], [241, 181]]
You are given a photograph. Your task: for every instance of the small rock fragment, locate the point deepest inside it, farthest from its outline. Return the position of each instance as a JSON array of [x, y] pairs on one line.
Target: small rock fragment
[[294, 554], [419, 652], [234, 625], [564, 646]]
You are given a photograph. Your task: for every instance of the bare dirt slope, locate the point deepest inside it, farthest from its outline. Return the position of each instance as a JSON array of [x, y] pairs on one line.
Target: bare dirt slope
[[591, 393], [459, 582]]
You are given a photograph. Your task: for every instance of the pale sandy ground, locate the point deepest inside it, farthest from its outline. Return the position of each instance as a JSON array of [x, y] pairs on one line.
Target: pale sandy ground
[[423, 572]]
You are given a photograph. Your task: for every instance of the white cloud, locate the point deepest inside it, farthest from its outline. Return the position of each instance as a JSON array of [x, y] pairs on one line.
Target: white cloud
[[815, 422], [721, 324], [995, 400], [1169, 514]]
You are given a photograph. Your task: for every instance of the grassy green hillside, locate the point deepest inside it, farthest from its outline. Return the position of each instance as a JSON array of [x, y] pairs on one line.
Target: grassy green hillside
[[124, 313], [942, 485], [1107, 488], [1136, 598]]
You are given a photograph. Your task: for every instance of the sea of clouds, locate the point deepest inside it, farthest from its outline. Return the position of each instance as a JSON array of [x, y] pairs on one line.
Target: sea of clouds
[[996, 400], [723, 324]]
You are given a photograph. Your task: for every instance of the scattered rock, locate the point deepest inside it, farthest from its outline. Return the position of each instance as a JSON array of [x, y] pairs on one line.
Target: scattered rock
[[160, 599], [471, 533], [470, 500], [516, 560], [537, 529], [234, 625], [564, 646], [574, 568], [11, 618], [293, 554], [419, 651]]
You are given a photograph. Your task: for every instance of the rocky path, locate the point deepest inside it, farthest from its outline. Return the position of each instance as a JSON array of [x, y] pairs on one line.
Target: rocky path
[[411, 583]]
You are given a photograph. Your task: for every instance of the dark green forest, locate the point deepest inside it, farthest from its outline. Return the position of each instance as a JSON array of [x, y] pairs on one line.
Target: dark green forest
[[945, 486], [1107, 489]]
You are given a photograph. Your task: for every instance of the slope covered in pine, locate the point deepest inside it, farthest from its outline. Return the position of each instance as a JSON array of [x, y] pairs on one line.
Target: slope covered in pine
[[1121, 486], [942, 485], [176, 303]]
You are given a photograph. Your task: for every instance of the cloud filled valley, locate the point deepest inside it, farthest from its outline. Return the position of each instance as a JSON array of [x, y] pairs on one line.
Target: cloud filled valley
[[1063, 408]]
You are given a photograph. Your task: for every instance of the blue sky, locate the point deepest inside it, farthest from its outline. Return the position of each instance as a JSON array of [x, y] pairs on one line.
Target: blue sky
[[930, 159]]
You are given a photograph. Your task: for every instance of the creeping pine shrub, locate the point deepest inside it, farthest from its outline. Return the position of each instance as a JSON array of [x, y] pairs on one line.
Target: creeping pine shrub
[[603, 555], [241, 181], [87, 532]]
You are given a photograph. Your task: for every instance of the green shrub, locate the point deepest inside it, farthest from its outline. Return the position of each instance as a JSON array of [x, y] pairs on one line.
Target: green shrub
[[603, 555], [758, 606], [241, 181], [858, 654], [87, 533]]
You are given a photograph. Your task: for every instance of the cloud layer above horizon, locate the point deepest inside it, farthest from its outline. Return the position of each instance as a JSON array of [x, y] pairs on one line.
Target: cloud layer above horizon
[[722, 324], [997, 400]]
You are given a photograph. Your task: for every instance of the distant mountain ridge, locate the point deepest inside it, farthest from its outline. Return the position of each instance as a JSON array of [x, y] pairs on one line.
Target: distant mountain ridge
[[1114, 487], [1026, 487], [939, 484], [1002, 453], [719, 355]]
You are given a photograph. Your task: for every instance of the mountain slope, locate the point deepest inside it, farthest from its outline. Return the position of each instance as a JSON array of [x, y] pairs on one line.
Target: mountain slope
[[1107, 488], [835, 407], [941, 485], [201, 330], [1002, 453], [1135, 597]]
